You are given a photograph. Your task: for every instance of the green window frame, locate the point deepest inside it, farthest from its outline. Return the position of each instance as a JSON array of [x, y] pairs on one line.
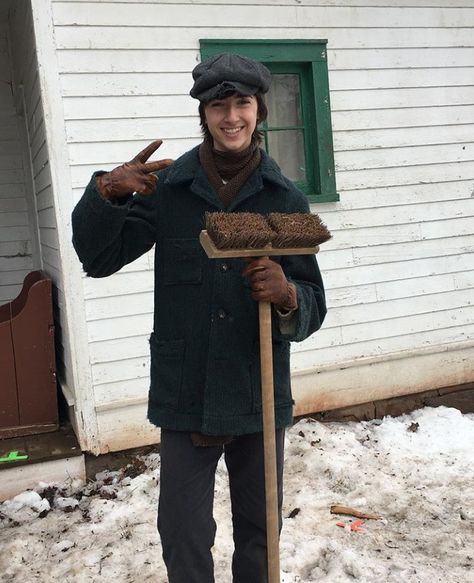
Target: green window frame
[[307, 59]]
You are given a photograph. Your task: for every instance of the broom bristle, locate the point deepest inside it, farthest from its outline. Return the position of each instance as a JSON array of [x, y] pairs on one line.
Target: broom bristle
[[238, 230], [254, 231], [297, 230]]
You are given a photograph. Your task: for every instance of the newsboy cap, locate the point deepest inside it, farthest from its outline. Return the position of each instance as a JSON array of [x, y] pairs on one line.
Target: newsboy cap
[[225, 74]]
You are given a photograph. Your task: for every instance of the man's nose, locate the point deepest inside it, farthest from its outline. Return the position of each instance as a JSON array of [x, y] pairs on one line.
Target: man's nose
[[231, 113]]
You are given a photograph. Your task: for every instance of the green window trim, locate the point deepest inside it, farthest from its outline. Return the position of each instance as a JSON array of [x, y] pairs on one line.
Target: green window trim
[[307, 59]]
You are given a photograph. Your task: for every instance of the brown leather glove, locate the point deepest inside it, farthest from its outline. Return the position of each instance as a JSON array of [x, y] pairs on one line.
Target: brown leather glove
[[133, 176], [269, 283]]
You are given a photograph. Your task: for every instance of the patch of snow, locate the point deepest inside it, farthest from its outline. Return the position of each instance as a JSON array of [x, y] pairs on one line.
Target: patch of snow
[[416, 471]]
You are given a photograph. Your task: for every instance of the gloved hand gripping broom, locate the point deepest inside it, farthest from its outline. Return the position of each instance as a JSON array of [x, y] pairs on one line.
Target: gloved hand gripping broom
[[251, 235]]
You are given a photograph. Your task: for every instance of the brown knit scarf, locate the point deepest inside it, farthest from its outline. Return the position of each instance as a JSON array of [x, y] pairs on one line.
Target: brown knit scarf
[[228, 171]]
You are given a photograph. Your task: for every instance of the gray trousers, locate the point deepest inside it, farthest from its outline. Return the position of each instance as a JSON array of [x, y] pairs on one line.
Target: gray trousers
[[185, 521]]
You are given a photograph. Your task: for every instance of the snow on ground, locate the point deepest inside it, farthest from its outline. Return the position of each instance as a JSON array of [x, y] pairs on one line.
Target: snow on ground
[[417, 471]]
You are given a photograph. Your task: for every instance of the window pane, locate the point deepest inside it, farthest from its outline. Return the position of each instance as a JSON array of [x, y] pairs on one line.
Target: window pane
[[283, 100], [287, 148]]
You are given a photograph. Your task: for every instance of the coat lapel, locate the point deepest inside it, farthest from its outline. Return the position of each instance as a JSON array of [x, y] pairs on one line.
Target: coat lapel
[[188, 169]]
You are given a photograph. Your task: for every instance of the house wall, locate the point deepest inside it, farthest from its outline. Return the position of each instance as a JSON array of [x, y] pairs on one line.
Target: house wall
[[35, 152], [399, 270], [17, 236]]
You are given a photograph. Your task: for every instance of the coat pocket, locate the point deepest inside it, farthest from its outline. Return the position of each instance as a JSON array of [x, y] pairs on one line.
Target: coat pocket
[[166, 372], [182, 261]]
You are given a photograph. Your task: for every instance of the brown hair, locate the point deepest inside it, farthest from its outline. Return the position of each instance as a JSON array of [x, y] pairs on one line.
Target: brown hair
[[262, 113]]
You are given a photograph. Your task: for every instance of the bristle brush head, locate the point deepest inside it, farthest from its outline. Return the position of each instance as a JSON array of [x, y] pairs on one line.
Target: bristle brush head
[[297, 230], [238, 230]]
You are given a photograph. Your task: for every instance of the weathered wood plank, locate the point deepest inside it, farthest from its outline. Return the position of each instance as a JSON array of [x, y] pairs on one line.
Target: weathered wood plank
[[162, 60], [127, 389], [128, 326], [15, 248], [12, 177], [120, 348], [124, 61], [385, 78], [13, 219], [409, 117], [93, 14], [427, 173], [49, 237], [42, 179], [381, 311], [396, 270], [389, 157], [52, 258], [408, 3], [401, 214], [401, 98], [103, 308], [398, 58], [398, 195], [130, 368], [47, 218], [13, 204], [70, 37], [44, 198], [462, 315], [401, 136], [135, 106], [14, 233], [15, 264], [119, 284], [415, 250], [111, 154], [418, 286], [93, 84], [464, 279], [408, 343]]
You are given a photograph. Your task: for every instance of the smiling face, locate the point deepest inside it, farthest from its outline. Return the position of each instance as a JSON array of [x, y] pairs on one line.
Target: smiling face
[[231, 122]]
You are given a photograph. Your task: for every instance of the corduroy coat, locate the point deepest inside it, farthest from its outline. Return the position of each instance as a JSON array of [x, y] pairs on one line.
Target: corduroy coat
[[205, 370]]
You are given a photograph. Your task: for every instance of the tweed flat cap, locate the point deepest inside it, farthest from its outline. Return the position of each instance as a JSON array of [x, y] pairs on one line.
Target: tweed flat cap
[[228, 73]]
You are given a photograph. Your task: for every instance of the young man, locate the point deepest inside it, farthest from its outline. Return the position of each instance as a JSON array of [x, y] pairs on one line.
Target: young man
[[205, 370]]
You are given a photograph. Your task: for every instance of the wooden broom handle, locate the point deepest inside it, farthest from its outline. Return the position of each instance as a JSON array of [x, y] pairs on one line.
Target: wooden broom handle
[[269, 446]]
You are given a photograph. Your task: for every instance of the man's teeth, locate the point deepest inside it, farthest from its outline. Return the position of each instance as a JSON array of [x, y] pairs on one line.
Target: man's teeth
[[232, 131]]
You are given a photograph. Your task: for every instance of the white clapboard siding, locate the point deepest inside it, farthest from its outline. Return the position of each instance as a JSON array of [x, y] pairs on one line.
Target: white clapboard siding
[[71, 38], [41, 218], [120, 327], [123, 390], [117, 349], [410, 3], [321, 357], [15, 235], [400, 78], [120, 427], [399, 268], [402, 137], [99, 14], [112, 307]]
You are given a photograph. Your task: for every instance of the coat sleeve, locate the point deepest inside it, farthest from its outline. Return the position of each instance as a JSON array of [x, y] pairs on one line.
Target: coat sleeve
[[303, 271], [106, 235]]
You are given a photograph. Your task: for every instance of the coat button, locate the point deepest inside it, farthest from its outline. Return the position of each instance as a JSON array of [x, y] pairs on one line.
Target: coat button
[[224, 267], [221, 314]]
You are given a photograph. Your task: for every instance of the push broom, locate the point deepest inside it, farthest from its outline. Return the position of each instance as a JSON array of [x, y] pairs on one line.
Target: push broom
[[233, 235]]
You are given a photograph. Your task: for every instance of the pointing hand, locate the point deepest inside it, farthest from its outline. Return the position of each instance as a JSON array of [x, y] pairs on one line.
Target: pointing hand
[[133, 176]]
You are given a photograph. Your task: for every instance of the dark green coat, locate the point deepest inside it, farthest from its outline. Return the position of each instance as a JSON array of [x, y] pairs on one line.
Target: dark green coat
[[205, 372]]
